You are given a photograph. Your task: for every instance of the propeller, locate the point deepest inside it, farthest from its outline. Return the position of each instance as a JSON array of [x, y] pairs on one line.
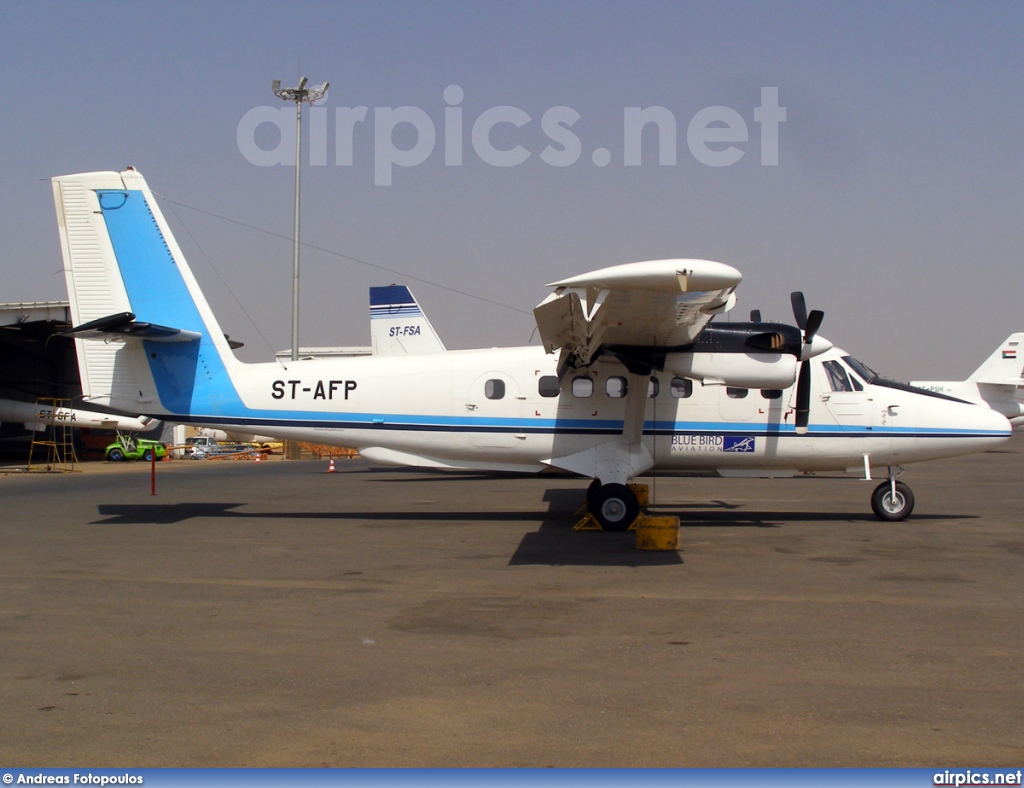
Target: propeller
[[809, 324], [755, 315]]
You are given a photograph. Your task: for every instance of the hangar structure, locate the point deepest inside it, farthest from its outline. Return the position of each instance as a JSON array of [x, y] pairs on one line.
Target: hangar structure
[[36, 363]]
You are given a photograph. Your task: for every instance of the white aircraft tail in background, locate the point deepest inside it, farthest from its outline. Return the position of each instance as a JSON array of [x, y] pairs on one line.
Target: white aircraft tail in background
[[998, 383], [397, 324]]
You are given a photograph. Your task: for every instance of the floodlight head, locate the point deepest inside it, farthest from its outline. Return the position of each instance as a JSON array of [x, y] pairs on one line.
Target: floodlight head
[[302, 82], [275, 85], [323, 87]]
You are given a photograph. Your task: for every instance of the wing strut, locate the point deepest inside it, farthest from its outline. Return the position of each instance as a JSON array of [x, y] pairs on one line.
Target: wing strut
[[621, 458]]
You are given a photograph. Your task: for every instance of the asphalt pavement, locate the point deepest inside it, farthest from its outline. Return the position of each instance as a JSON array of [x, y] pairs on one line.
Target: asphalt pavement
[[274, 614]]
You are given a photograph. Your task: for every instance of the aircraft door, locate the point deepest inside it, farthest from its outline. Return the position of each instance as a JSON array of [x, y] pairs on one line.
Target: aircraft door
[[493, 409], [844, 397]]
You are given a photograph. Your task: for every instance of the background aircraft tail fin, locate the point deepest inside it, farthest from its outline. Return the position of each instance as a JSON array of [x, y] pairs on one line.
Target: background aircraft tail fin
[[1005, 367], [130, 286], [398, 325]]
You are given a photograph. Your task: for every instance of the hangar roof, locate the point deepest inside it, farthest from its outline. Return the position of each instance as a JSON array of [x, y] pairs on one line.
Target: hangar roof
[[21, 312]]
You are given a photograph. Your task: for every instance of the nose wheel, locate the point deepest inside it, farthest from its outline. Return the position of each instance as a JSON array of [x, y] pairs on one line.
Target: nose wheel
[[892, 501]]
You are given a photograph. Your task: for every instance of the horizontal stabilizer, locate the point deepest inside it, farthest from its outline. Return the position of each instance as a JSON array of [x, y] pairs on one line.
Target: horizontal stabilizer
[[125, 326]]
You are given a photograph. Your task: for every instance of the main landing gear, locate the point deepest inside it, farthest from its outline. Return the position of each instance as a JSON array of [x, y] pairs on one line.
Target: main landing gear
[[892, 501], [614, 506]]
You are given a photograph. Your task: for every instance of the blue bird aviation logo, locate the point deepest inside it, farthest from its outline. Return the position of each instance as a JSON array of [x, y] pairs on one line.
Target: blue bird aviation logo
[[738, 443]]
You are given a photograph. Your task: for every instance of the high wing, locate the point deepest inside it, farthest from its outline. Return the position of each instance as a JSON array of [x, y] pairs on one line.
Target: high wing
[[653, 304], [637, 312]]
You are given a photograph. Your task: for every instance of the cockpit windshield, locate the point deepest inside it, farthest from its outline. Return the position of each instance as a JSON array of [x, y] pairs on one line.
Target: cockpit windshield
[[873, 378], [867, 373]]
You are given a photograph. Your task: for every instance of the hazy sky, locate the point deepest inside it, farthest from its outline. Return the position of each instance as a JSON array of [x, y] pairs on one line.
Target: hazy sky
[[896, 204]]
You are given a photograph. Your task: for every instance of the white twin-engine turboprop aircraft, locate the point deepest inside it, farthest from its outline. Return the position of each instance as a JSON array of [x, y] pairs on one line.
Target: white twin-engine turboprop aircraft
[[610, 395]]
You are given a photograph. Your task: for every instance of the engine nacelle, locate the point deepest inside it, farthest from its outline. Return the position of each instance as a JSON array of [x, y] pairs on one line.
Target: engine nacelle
[[757, 370], [746, 355]]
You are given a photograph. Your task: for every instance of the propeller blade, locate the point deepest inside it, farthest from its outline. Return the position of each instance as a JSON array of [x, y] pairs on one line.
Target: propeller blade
[[812, 325], [755, 315], [799, 309], [803, 399]]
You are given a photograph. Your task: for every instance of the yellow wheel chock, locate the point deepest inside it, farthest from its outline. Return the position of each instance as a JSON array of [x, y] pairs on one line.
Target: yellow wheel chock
[[652, 533]]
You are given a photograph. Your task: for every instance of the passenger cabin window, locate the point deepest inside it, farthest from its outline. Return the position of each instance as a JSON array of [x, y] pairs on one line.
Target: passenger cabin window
[[838, 380], [771, 393], [653, 388], [732, 392], [582, 387], [494, 389], [681, 388], [615, 387], [548, 386]]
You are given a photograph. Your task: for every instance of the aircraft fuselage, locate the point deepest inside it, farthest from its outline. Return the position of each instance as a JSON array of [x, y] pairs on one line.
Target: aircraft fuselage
[[485, 409]]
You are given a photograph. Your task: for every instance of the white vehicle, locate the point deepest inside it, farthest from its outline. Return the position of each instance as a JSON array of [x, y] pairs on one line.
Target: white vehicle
[[630, 377], [998, 383], [202, 446]]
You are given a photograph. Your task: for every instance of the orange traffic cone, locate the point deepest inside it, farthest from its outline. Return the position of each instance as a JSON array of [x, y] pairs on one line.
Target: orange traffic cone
[[330, 468], [258, 455]]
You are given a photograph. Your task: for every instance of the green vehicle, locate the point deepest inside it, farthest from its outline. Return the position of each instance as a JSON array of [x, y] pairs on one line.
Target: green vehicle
[[129, 448]]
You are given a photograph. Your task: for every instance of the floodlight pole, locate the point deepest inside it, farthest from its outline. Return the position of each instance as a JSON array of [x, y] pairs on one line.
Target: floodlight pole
[[299, 95]]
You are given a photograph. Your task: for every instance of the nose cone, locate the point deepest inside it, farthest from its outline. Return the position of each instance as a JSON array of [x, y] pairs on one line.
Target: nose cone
[[931, 428], [978, 426], [995, 423]]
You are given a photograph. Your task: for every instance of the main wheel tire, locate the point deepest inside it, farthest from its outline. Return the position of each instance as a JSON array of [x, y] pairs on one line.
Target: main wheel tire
[[115, 455], [614, 506], [890, 508]]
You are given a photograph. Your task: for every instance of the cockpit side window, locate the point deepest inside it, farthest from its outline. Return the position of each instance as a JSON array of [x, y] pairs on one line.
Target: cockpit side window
[[838, 380]]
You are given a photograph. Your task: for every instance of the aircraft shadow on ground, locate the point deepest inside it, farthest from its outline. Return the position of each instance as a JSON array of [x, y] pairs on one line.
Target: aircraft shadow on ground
[[554, 543]]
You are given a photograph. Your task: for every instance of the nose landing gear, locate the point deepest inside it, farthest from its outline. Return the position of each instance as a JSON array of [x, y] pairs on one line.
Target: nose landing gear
[[892, 501]]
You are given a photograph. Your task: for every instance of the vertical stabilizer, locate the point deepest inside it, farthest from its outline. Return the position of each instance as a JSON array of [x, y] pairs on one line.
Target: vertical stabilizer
[[997, 383], [1005, 366], [160, 349], [398, 325]]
